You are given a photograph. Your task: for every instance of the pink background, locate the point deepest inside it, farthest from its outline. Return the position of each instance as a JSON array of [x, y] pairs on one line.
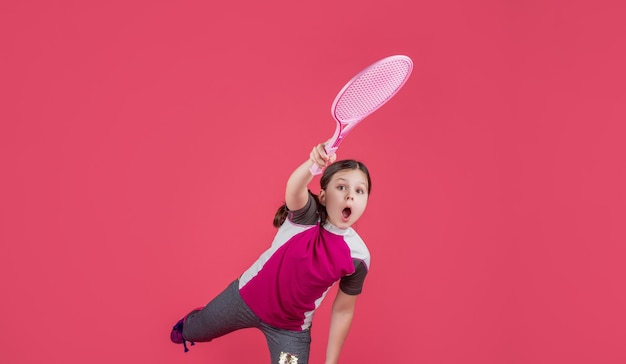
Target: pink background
[[144, 147]]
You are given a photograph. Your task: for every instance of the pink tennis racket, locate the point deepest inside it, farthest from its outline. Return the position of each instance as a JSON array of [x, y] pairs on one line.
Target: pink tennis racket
[[363, 94]]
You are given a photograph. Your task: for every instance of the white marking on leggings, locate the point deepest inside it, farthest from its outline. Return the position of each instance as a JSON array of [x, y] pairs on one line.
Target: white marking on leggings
[[286, 358]]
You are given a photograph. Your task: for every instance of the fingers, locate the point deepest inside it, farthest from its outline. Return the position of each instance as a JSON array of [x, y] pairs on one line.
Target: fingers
[[333, 158], [319, 156]]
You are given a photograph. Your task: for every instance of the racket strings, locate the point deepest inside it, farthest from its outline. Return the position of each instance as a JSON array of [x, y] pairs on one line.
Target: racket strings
[[371, 89]]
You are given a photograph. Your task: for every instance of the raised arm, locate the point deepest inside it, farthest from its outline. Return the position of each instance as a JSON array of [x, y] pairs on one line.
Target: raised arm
[[340, 322], [297, 193]]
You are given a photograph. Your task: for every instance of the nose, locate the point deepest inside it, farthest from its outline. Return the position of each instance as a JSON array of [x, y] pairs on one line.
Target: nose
[[349, 195]]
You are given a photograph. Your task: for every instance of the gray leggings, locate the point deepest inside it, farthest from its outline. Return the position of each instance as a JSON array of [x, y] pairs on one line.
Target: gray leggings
[[228, 312]]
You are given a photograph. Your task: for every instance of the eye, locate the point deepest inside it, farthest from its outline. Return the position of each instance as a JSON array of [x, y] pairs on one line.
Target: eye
[[341, 187], [360, 191]]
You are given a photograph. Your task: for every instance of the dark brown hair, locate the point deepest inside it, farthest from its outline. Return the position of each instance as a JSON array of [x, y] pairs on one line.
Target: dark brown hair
[[329, 172]]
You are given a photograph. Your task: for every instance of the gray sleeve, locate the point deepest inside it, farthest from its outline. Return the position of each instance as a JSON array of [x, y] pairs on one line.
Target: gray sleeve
[[353, 284], [307, 215]]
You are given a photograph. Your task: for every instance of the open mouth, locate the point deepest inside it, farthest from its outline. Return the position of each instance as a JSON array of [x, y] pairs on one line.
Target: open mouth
[[346, 213]]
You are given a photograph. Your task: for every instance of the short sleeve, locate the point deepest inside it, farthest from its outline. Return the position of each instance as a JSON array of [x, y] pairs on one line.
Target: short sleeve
[[307, 215], [353, 284]]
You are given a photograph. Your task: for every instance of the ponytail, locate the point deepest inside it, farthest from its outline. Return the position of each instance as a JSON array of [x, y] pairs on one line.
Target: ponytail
[[280, 216]]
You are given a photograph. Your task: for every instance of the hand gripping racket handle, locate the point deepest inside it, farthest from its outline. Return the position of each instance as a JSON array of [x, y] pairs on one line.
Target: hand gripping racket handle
[[315, 169]]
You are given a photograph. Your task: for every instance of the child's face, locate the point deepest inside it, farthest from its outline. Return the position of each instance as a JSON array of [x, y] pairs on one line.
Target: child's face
[[345, 197]]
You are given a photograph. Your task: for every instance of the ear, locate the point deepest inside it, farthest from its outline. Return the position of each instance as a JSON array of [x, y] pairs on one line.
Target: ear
[[322, 197]]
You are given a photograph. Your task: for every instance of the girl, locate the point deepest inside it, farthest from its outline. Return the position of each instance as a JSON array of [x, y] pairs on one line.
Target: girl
[[315, 247]]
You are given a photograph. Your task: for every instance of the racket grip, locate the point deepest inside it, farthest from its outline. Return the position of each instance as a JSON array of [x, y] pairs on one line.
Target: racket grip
[[315, 169]]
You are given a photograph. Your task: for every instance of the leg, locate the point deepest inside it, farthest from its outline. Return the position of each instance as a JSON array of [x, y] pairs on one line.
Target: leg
[[287, 347], [225, 313]]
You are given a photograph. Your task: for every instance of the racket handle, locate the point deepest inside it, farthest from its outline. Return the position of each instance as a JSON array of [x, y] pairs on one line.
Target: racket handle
[[315, 169]]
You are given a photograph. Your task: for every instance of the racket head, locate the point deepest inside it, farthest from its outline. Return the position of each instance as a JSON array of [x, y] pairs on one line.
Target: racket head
[[365, 93], [371, 88]]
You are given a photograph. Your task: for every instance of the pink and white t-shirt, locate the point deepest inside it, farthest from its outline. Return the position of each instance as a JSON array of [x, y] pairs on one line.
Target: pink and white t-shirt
[[288, 282]]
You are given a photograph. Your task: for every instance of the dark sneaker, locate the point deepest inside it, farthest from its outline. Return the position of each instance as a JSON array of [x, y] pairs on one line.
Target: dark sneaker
[[177, 333]]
